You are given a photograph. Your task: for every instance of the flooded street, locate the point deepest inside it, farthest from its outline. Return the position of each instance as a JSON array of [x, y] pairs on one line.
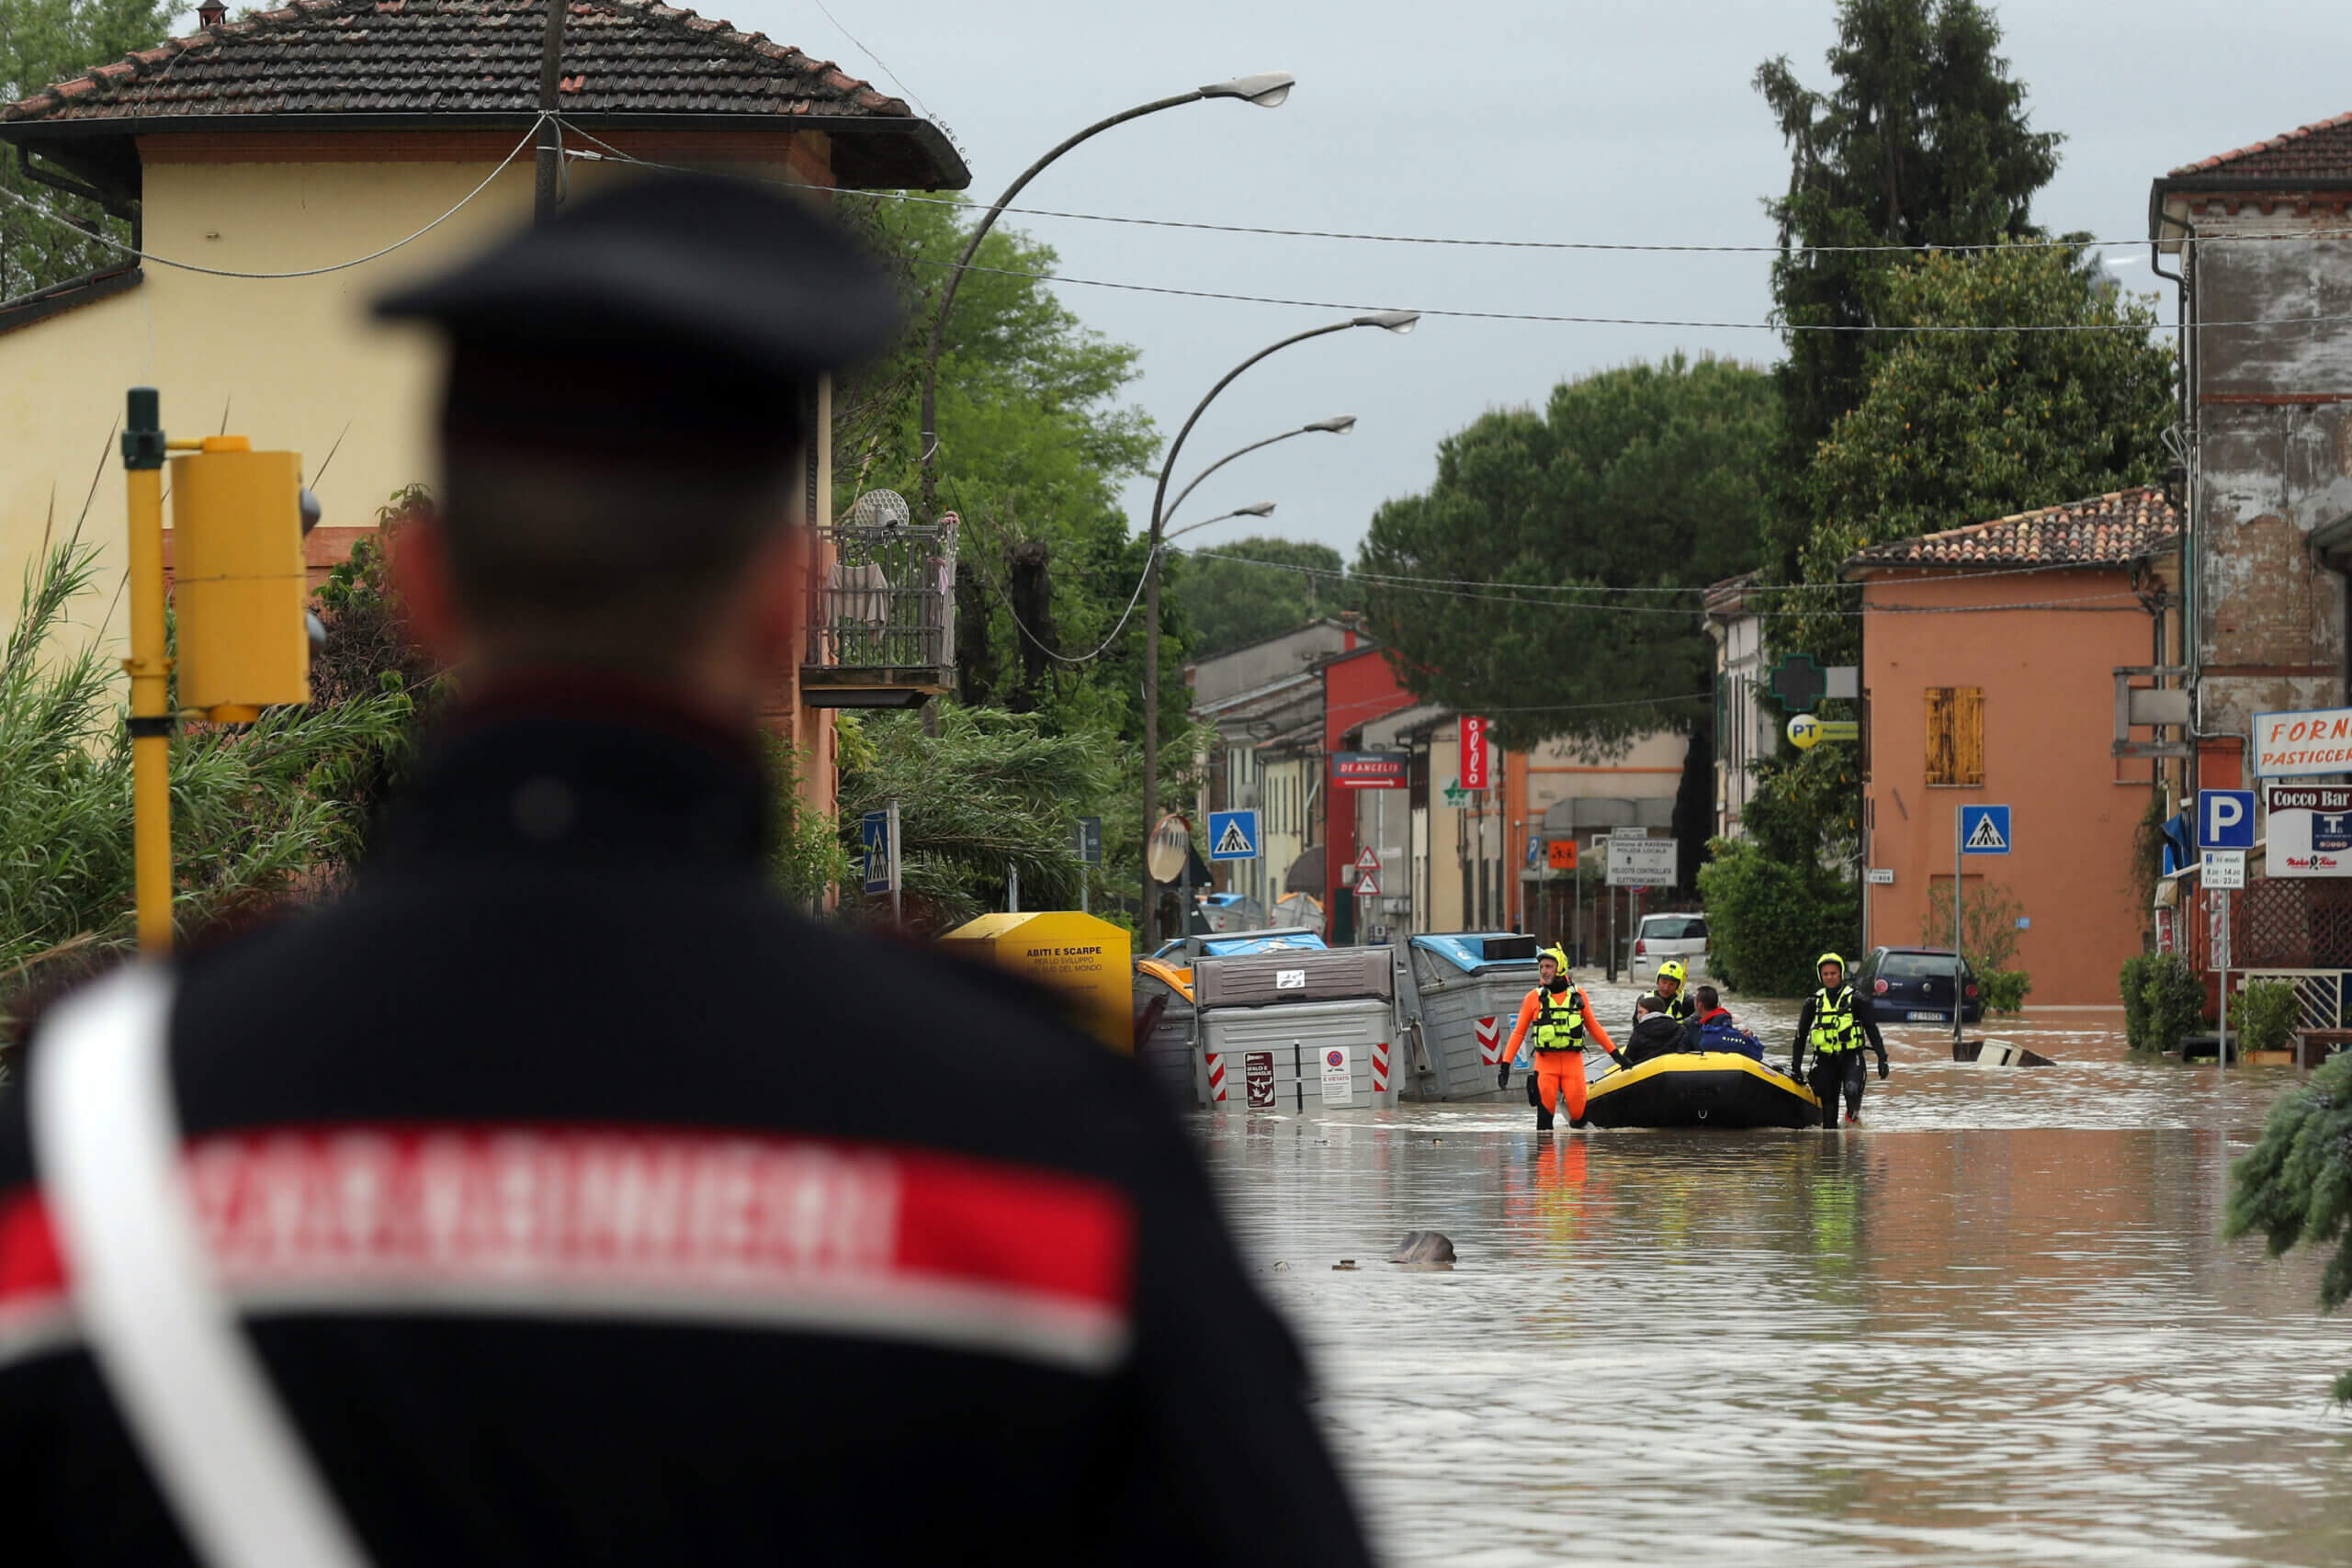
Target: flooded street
[[1993, 1324]]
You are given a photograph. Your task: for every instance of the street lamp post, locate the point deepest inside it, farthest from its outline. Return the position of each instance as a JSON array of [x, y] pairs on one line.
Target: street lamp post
[[1337, 424], [1398, 322], [1255, 509], [1267, 89]]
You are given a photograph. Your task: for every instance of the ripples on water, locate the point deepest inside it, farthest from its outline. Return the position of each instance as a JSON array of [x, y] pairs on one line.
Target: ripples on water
[[1993, 1326]]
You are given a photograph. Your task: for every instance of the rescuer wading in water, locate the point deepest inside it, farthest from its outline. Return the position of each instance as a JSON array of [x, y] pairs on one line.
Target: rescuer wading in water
[[1835, 1026], [1555, 1022]]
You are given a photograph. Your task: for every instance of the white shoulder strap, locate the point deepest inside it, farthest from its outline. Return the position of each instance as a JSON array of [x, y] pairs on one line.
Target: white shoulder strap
[[107, 1141]]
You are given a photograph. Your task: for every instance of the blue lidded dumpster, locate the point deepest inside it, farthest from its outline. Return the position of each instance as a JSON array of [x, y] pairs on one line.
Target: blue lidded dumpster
[[1460, 994]]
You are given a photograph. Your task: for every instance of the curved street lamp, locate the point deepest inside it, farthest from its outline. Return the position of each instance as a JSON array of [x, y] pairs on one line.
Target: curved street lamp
[[1337, 424], [1255, 509], [1267, 89], [1397, 321]]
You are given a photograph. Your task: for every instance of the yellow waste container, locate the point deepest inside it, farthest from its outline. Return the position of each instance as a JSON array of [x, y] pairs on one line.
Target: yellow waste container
[[1081, 957]]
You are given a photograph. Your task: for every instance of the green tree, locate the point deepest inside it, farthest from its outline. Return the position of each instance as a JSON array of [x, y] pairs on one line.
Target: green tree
[[2295, 1184], [1013, 795], [1960, 428], [1769, 918], [1033, 443], [1643, 477], [1922, 139], [43, 41], [258, 812], [1233, 602]]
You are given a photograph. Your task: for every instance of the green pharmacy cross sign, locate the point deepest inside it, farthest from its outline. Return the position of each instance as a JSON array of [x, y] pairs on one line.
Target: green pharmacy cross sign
[[1800, 683]]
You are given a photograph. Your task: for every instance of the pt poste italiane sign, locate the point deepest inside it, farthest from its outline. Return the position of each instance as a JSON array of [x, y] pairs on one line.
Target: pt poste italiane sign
[[2299, 745], [2309, 831]]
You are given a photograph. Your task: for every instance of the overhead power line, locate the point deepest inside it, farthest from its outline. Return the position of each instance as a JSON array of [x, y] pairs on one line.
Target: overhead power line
[[1477, 243], [1521, 593], [44, 210], [1559, 320]]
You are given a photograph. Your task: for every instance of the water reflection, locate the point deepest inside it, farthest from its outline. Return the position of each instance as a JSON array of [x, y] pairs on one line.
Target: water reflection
[[1993, 1326]]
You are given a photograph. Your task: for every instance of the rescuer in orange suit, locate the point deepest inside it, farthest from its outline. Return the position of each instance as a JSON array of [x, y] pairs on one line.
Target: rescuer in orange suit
[[1555, 1021]]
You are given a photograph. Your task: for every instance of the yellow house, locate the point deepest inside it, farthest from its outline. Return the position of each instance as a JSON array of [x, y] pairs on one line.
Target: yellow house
[[357, 143]]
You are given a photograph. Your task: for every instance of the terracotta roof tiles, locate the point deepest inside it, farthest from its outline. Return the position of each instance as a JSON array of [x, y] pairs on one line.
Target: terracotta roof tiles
[[2106, 530], [2321, 151], [456, 57]]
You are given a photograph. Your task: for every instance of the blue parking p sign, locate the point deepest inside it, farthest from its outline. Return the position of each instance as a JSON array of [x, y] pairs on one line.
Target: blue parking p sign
[[2225, 818]]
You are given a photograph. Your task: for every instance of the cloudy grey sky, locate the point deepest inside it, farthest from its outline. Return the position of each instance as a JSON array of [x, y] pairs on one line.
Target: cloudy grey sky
[[1545, 120]]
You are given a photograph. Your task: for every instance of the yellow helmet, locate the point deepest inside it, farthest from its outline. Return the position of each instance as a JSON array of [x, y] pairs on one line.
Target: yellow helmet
[[1555, 955], [1672, 970], [1825, 959]]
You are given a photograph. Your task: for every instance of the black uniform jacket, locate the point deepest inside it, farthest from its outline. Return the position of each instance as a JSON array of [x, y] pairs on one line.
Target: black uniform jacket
[[1863, 1018], [1654, 1035], [589, 1207]]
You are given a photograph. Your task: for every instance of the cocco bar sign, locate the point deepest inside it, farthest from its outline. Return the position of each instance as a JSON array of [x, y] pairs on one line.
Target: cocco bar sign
[[2308, 830]]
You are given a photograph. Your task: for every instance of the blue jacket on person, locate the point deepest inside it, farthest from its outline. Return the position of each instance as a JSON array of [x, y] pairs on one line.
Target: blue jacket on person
[[1717, 1031]]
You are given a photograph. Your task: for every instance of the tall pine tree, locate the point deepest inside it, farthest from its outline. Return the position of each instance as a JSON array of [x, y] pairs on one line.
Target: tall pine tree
[[1605, 514], [1920, 141]]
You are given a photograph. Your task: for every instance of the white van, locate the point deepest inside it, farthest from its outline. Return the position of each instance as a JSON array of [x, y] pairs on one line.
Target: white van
[[1661, 937]]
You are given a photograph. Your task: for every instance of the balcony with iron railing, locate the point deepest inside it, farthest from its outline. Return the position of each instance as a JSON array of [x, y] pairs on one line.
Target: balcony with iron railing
[[882, 608]]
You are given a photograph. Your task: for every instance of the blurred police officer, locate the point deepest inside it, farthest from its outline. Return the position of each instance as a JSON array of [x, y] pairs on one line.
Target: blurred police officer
[[547, 1171]]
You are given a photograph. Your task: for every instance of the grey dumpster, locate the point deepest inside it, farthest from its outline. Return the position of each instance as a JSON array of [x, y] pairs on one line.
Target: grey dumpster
[[1169, 1053], [1284, 1031], [1464, 989]]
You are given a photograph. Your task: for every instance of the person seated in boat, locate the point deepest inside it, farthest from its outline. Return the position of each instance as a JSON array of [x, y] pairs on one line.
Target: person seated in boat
[[1555, 1023], [1711, 1027], [1657, 1032], [1668, 992]]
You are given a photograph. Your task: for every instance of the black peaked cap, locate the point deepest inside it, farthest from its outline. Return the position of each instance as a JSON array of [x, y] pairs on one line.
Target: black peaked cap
[[697, 268]]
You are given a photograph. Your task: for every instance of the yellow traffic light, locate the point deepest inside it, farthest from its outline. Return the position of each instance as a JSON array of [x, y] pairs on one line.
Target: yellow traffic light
[[240, 582]]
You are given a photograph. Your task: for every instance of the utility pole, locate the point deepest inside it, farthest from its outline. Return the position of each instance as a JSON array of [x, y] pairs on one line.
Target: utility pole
[[551, 137]]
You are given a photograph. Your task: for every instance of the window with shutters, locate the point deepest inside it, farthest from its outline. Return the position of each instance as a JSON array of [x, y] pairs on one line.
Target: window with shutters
[[1956, 735]]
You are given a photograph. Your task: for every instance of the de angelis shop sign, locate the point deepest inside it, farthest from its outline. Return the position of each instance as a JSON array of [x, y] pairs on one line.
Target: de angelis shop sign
[[1370, 770]]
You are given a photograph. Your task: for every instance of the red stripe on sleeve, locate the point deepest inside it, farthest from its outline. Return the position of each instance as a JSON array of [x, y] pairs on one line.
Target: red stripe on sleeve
[[31, 1268], [964, 1219]]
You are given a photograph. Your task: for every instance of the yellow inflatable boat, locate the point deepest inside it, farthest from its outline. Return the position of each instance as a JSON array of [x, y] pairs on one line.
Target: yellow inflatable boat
[[1699, 1088]]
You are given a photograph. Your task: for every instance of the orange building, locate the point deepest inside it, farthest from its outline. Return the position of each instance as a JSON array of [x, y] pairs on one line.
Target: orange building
[[1989, 656]]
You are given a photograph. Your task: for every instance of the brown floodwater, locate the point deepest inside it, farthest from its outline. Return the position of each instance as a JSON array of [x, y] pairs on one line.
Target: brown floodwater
[[1993, 1324]]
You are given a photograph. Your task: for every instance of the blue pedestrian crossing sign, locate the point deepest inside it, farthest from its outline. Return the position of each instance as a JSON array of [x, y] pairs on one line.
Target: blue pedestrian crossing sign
[[2225, 818], [1985, 829], [1233, 835], [874, 836]]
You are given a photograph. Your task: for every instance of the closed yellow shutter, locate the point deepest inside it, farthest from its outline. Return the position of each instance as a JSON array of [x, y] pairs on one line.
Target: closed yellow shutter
[[1968, 735], [1940, 758], [1956, 735]]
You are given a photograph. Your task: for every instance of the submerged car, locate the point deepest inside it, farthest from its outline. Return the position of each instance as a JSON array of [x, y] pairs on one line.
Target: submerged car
[[1661, 937], [1913, 985]]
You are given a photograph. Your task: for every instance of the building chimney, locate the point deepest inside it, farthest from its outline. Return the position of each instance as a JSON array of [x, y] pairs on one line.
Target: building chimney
[[211, 14]]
